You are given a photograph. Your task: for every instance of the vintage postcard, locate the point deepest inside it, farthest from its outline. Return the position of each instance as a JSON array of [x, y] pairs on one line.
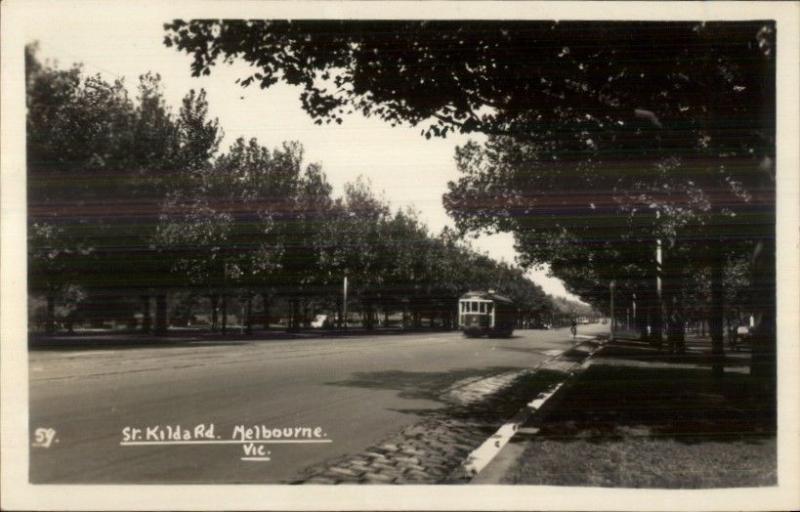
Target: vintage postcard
[[400, 255]]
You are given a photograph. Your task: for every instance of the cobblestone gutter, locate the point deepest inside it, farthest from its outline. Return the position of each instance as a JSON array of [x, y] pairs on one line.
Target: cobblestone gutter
[[433, 450]]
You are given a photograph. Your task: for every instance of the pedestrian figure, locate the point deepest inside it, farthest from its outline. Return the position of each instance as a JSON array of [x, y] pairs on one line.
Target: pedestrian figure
[[574, 329]]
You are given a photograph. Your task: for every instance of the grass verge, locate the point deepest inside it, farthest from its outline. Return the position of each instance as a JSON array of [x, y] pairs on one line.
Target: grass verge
[[622, 426]]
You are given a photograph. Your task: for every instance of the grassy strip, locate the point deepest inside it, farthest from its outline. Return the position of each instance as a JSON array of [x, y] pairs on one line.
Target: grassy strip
[[646, 462], [619, 426]]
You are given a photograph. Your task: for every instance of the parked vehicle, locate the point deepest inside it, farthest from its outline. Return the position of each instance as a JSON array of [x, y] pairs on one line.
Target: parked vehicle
[[321, 322], [742, 336]]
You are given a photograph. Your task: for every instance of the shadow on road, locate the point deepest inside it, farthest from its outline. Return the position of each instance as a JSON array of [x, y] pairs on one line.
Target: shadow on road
[[438, 386], [78, 342], [102, 341], [419, 385]]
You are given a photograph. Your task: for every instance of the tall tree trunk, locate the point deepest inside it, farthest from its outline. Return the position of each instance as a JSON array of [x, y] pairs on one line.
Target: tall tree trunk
[[673, 284], [249, 315], [716, 318], [676, 333], [224, 300], [70, 320], [306, 314], [369, 322], [640, 319], [643, 310], [147, 321], [50, 320], [763, 363], [214, 298], [292, 323], [265, 307], [161, 314], [730, 330]]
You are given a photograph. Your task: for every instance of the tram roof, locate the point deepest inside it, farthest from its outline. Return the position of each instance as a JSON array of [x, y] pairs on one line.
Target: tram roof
[[477, 294]]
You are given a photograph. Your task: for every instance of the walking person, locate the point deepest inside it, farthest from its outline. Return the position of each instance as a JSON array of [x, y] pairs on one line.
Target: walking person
[[574, 328]]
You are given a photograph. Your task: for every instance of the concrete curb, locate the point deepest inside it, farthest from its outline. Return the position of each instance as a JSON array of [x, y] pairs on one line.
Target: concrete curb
[[481, 457]]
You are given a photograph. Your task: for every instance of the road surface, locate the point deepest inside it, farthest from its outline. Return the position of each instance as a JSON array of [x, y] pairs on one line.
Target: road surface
[[338, 395]]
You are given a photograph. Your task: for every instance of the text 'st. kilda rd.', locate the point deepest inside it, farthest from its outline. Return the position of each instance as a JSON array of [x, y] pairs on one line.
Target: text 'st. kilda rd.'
[[208, 433]]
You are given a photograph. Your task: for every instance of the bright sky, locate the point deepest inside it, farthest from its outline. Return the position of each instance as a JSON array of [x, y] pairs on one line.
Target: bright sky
[[400, 163]]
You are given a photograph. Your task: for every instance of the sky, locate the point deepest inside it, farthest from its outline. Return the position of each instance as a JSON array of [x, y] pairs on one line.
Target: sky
[[401, 165]]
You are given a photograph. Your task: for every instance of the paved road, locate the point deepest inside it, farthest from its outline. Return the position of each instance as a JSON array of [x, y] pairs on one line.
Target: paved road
[[357, 390]]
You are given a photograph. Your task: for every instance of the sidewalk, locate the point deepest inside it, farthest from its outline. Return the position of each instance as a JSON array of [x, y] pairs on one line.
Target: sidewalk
[[637, 417]]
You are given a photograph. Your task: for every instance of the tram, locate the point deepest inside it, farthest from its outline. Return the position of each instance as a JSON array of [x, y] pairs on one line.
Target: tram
[[486, 314]]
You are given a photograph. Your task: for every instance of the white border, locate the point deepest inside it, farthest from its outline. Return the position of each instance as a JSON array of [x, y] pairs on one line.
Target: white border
[[17, 493]]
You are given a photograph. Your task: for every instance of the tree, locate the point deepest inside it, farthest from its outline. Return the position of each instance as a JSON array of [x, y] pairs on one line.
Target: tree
[[532, 80], [167, 151], [406, 263], [670, 118], [361, 252], [130, 201], [100, 165], [75, 126], [303, 228]]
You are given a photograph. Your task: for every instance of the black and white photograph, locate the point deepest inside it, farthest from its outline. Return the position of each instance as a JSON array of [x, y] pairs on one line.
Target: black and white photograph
[[400, 255]]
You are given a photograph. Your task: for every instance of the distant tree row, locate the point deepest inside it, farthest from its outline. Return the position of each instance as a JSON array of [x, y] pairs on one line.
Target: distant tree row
[[135, 212]]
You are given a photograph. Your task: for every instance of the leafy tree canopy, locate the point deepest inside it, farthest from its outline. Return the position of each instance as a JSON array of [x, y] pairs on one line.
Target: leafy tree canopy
[[528, 79], [675, 117]]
